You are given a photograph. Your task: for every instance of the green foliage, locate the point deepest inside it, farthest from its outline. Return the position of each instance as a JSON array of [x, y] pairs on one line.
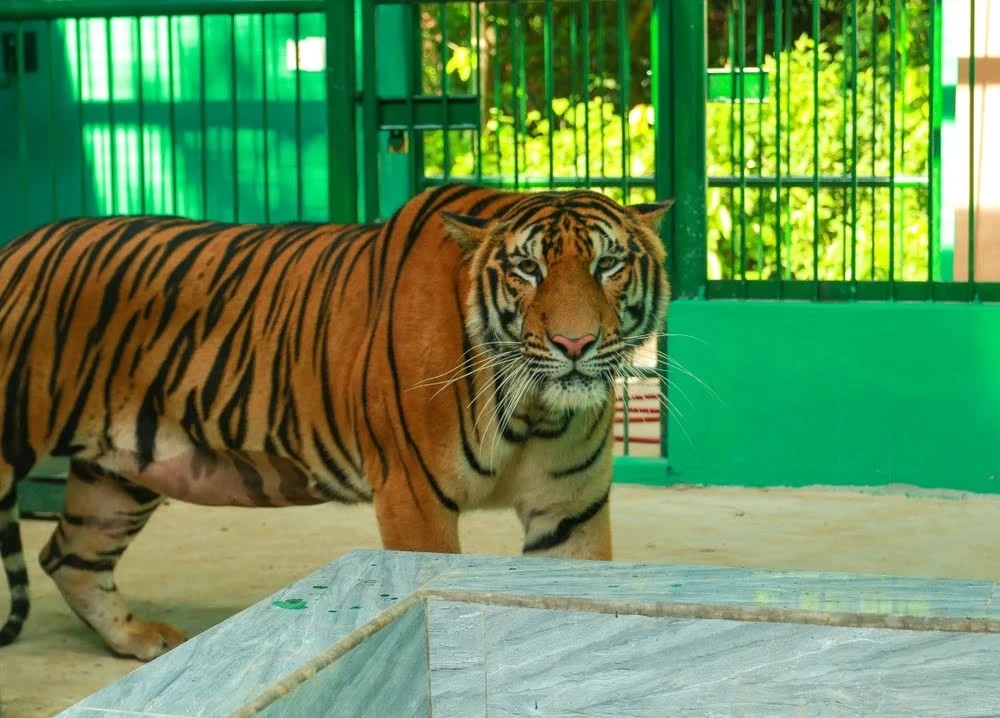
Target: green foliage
[[851, 238], [590, 142]]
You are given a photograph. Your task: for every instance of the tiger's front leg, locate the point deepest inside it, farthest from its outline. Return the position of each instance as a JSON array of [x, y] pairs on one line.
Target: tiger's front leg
[[413, 517], [103, 513], [572, 530]]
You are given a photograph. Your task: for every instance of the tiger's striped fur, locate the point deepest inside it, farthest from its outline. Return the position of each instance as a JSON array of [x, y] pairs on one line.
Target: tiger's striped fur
[[459, 355]]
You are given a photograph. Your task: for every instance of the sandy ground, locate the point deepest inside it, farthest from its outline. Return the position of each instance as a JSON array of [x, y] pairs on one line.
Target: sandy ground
[[195, 566]]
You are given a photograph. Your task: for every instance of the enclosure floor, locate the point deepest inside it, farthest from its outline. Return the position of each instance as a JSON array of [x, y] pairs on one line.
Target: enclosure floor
[[195, 566]]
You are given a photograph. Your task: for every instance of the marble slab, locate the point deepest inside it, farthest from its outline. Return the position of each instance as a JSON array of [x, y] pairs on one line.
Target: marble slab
[[444, 635]]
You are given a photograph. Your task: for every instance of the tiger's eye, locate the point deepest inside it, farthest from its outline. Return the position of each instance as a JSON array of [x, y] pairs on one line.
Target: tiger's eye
[[606, 262], [528, 266]]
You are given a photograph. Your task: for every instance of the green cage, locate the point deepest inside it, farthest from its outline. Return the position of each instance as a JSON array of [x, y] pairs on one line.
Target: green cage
[[833, 318]]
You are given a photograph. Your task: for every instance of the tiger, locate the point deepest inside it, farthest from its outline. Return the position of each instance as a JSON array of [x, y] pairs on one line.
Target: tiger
[[460, 354]]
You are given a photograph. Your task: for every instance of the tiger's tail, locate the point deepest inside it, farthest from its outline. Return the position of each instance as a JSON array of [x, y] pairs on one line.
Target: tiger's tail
[[13, 565]]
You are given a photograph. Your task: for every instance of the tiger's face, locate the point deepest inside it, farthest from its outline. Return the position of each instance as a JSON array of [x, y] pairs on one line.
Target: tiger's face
[[566, 286]]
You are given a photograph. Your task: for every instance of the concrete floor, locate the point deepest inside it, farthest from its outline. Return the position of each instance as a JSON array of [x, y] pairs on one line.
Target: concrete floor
[[195, 566]]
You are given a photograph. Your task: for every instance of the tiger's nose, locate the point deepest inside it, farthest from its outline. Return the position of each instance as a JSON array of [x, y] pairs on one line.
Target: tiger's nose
[[573, 347]]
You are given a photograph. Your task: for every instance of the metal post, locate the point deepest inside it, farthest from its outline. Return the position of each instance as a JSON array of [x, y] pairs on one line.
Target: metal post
[[680, 66], [341, 110]]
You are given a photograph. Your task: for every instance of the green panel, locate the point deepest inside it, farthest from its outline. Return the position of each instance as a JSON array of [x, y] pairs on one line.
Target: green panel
[[460, 112], [794, 394], [750, 84]]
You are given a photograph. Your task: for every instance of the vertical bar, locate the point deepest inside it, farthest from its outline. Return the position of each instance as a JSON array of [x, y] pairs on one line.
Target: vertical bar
[[759, 63], [369, 112], [549, 63], [140, 107], [875, 119], [815, 158], [779, 219], [53, 136], [112, 130], [172, 119], [299, 183], [972, 145], [85, 179], [854, 145], [445, 91], [731, 58], [22, 124], [341, 106], [934, 148], [203, 115], [815, 175], [234, 120], [892, 148], [602, 71], [478, 25], [585, 88], [265, 119], [741, 23], [625, 80], [680, 62], [517, 64]]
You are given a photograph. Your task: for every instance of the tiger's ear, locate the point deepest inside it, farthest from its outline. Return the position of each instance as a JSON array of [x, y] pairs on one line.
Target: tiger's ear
[[465, 230], [650, 213]]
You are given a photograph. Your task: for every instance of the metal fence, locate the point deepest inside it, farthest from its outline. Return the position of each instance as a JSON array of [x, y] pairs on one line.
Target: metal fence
[[818, 150]]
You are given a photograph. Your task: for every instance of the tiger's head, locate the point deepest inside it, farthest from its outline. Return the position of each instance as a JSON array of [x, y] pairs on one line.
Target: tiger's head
[[566, 285]]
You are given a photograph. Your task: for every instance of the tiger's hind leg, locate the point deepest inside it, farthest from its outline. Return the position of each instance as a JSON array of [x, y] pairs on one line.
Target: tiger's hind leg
[[104, 511], [13, 557]]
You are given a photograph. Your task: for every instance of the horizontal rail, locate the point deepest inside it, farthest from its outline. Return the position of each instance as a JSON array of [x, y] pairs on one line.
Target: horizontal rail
[[848, 291], [23, 10], [824, 181]]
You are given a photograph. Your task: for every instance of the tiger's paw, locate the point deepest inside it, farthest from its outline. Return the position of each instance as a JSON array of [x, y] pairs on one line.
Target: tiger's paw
[[146, 640]]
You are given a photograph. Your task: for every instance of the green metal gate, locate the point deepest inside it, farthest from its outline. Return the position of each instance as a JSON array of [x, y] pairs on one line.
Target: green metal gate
[[818, 333]]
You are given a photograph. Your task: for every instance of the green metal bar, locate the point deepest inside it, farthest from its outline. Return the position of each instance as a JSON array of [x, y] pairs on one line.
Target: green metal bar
[[85, 178], [602, 71], [22, 126], [53, 140], [547, 26], [741, 25], [140, 108], [731, 50], [25, 10], [234, 118], [934, 272], [875, 120], [893, 60], [341, 120], [112, 130], [203, 114], [297, 121], [517, 62], [445, 91], [831, 181], [479, 89], [778, 225], [585, 85], [972, 145], [758, 62], [370, 200], [815, 174], [854, 141], [265, 119], [625, 80], [679, 83], [847, 291], [540, 182], [172, 121]]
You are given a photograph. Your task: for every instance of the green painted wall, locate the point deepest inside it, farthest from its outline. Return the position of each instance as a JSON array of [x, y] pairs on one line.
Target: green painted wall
[[134, 116], [838, 394]]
